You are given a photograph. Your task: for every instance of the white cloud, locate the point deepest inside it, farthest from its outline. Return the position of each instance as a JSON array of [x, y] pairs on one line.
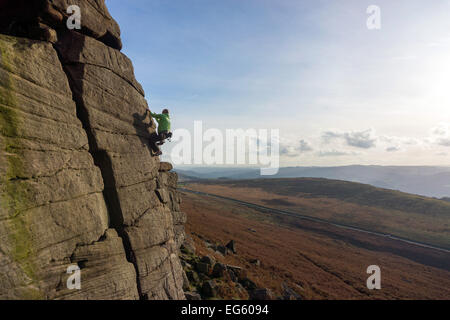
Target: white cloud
[[440, 135], [441, 130], [295, 149], [340, 146], [304, 146], [445, 142], [359, 139], [287, 151], [393, 149]]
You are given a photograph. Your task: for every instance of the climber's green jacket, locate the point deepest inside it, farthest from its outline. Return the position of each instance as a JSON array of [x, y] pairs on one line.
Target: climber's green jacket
[[163, 121]]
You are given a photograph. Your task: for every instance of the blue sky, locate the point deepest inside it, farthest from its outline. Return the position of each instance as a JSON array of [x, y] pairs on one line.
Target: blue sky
[[338, 92]]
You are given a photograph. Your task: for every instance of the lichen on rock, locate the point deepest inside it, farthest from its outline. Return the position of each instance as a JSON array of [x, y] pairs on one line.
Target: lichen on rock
[[14, 191]]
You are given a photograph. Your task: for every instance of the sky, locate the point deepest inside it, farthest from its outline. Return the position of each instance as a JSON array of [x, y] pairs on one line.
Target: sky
[[339, 92]]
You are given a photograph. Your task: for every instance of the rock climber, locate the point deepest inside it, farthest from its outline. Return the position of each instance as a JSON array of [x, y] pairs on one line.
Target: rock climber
[[164, 133]]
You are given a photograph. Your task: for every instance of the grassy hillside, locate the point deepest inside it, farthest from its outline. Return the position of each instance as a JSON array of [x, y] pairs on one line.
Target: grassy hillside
[[405, 215], [359, 193], [318, 261]]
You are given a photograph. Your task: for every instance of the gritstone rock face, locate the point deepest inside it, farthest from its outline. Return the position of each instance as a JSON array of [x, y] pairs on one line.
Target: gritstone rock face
[[78, 184]]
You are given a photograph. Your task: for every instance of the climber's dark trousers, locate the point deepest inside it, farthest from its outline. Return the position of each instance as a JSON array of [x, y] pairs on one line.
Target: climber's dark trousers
[[161, 136]]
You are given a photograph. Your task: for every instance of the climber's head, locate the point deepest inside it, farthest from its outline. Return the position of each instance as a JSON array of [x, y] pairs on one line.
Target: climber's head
[[165, 111]]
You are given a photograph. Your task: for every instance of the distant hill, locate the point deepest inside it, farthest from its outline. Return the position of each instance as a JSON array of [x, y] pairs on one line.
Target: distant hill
[[362, 194], [422, 180], [183, 177]]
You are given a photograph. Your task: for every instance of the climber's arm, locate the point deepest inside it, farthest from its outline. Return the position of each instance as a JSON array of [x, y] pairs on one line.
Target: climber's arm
[[155, 115]]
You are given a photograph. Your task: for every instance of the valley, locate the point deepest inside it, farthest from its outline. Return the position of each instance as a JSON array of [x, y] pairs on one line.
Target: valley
[[316, 259]]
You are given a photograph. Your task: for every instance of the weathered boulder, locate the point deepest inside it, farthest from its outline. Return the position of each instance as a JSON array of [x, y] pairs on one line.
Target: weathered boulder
[[78, 182], [231, 246], [192, 296], [188, 245], [248, 284], [24, 17], [185, 264], [238, 271], [219, 270], [222, 250], [192, 276], [261, 294], [241, 290], [96, 20], [52, 202], [233, 277], [204, 268], [209, 288], [209, 260], [289, 293], [113, 105], [165, 166]]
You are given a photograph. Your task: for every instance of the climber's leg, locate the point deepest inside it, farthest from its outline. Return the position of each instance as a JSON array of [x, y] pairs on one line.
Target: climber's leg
[[156, 140], [161, 137], [152, 142]]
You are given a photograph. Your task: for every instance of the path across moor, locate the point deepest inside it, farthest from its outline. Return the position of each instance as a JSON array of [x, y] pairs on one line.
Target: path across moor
[[300, 216]]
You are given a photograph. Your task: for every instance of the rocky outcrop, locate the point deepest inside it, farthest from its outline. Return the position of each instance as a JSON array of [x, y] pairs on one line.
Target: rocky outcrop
[[231, 246], [210, 279], [261, 294], [79, 185], [37, 19]]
